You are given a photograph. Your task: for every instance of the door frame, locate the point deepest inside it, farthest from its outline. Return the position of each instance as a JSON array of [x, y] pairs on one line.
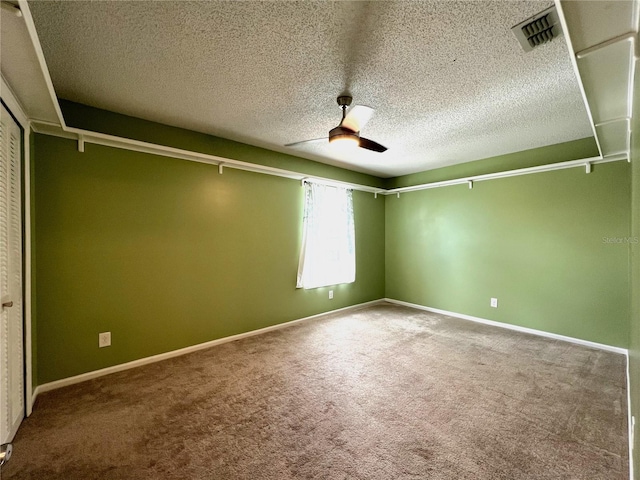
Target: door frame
[[14, 107]]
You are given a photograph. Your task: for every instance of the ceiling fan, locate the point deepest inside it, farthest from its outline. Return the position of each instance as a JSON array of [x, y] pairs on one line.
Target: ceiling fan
[[348, 132]]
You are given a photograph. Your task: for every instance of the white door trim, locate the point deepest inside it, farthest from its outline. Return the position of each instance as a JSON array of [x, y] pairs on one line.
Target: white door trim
[[18, 112]]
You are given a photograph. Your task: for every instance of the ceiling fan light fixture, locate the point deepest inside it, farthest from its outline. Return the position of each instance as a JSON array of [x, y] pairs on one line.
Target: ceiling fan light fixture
[[344, 138], [344, 143]]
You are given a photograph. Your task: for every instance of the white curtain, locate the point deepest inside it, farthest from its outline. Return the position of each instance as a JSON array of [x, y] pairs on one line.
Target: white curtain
[[328, 254]]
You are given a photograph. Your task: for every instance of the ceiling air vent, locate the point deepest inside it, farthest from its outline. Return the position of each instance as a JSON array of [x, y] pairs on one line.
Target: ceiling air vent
[[538, 30]]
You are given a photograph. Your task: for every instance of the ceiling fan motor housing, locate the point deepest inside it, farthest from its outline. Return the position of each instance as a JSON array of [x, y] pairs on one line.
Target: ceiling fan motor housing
[[340, 132], [344, 101]]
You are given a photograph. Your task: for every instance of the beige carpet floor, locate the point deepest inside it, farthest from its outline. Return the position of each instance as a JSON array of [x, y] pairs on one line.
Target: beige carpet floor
[[385, 392]]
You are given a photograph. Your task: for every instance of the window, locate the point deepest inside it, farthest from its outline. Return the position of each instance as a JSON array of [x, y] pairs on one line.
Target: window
[[328, 254]]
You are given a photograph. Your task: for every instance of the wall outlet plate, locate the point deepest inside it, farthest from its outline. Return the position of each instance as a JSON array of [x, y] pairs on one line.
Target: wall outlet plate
[[330, 294], [494, 302], [104, 339]]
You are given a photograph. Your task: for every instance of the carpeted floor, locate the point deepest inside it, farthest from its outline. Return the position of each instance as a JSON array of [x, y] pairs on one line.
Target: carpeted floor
[[384, 392]]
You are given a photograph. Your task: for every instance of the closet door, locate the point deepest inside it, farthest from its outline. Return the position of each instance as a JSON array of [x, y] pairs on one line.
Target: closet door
[[11, 311]]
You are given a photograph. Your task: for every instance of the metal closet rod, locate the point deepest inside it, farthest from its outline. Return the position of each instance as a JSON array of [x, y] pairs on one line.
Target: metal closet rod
[[87, 136]]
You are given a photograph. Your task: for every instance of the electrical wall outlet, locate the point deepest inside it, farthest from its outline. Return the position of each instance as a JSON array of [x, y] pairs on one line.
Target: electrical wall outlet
[[494, 302], [330, 294], [104, 339]]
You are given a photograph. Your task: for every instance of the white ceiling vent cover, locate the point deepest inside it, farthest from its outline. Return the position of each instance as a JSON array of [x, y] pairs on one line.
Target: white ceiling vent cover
[[538, 30]]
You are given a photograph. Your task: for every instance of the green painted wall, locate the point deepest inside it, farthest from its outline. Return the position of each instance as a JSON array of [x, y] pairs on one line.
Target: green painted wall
[[535, 242], [167, 253], [634, 347]]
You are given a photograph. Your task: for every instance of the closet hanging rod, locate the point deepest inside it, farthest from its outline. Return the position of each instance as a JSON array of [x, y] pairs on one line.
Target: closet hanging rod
[[87, 136], [585, 163]]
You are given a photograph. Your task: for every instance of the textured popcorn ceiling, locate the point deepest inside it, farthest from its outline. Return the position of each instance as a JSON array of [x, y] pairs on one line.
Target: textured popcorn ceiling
[[448, 80]]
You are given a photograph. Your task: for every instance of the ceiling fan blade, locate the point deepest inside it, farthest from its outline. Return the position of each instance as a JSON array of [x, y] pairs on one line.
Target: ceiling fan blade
[[357, 117], [371, 145], [326, 139]]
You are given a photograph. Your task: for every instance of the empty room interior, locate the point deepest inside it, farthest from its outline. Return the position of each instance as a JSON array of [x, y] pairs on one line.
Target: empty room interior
[[320, 240]]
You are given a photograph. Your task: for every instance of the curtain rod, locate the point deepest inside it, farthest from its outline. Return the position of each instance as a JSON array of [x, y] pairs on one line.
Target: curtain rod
[[87, 136]]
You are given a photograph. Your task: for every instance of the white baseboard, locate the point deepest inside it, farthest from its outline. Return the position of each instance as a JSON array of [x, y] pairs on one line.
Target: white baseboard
[[630, 425], [517, 328], [34, 394], [183, 351]]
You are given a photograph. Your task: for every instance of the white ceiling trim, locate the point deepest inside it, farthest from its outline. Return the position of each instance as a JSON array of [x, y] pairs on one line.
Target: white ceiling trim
[[15, 107], [621, 38], [604, 63], [35, 44], [574, 64]]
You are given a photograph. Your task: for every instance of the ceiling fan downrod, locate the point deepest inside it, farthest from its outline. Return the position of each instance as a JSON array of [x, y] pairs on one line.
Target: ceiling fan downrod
[[344, 101]]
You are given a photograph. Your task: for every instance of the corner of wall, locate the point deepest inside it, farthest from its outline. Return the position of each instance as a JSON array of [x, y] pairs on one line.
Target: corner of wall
[[32, 272], [634, 333]]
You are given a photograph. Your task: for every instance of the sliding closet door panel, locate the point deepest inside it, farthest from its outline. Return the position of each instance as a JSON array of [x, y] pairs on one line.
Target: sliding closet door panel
[[11, 313]]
